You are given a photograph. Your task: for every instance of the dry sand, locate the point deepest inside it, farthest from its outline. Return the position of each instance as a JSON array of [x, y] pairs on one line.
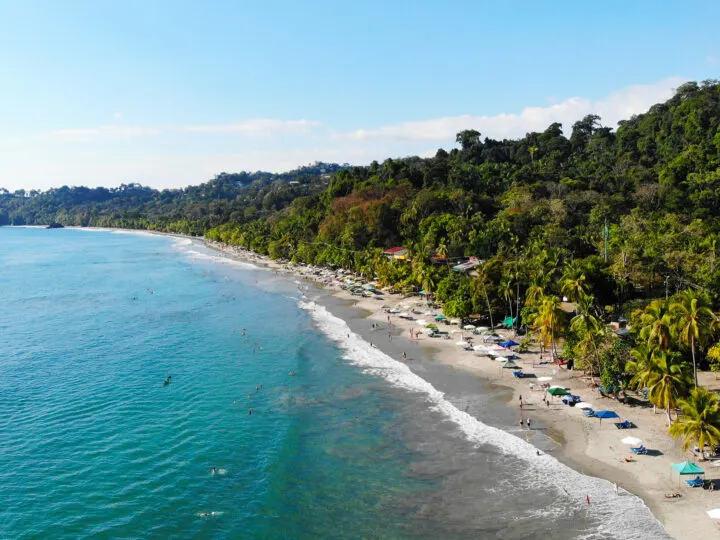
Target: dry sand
[[583, 443]]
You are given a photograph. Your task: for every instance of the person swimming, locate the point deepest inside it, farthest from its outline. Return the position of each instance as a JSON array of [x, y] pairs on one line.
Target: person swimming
[[167, 381], [292, 373], [214, 470]]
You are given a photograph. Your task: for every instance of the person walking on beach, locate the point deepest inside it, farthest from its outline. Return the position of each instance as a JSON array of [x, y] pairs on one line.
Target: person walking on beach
[[587, 498], [404, 357]]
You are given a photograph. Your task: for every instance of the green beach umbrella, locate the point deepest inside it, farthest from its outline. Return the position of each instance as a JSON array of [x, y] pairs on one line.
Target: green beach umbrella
[[557, 391], [440, 317]]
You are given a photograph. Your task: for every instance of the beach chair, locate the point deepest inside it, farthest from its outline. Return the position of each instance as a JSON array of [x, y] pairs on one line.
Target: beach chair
[[639, 450], [695, 482], [627, 424]]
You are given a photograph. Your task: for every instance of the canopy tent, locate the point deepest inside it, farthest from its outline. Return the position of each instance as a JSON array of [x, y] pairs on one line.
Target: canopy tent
[[508, 322], [603, 415], [509, 343], [632, 441], [686, 467], [557, 391]]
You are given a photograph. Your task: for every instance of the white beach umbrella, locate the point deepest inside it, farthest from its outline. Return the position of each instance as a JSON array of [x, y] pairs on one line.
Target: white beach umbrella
[[462, 343], [583, 405], [633, 441], [557, 386], [422, 322], [455, 331], [714, 513], [483, 328], [544, 379], [469, 327]]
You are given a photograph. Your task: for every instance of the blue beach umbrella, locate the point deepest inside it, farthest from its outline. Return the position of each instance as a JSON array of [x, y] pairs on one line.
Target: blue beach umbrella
[[510, 343], [606, 414]]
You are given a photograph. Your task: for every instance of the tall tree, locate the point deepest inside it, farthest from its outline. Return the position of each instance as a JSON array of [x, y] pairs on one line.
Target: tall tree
[[694, 321], [700, 423]]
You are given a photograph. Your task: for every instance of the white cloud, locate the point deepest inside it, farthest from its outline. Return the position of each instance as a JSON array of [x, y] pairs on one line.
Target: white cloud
[[616, 106], [108, 130], [117, 115], [259, 126]]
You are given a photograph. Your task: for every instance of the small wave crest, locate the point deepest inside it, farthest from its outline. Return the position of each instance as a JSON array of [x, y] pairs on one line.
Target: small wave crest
[[623, 517]]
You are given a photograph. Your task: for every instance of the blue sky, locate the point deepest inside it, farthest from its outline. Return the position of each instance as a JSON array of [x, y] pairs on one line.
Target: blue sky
[[170, 93]]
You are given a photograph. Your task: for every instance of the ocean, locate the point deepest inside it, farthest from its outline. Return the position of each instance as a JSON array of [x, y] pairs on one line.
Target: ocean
[[279, 419]]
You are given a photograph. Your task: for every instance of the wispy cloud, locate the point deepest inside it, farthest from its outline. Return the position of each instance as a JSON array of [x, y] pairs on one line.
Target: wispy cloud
[[616, 106], [259, 126], [108, 130]]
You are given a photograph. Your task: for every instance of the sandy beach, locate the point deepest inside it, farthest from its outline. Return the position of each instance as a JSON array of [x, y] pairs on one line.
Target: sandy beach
[[584, 444]]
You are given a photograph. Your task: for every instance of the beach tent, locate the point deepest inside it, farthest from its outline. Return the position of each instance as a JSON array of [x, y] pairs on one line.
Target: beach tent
[[509, 343], [508, 322], [686, 467]]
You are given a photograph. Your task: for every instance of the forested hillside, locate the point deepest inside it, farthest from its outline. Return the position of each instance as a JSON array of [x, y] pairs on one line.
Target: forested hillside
[[193, 210]]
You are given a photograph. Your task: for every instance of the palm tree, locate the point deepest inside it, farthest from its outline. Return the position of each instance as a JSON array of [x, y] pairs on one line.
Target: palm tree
[[548, 321], [506, 287], [656, 325], [572, 282], [694, 321], [700, 423], [662, 372], [482, 281], [590, 330]]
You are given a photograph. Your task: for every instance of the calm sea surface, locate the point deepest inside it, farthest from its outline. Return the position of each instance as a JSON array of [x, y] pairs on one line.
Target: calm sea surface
[[355, 445]]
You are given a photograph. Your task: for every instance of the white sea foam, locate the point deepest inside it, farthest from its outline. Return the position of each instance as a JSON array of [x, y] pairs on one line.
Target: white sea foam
[[624, 517], [219, 259]]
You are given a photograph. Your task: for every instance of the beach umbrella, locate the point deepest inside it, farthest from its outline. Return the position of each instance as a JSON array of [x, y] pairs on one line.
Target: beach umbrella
[[422, 322], [606, 414], [583, 405], [557, 391], [714, 513], [483, 328], [544, 379], [469, 327], [462, 343], [632, 441], [440, 317], [432, 325], [509, 364], [509, 343]]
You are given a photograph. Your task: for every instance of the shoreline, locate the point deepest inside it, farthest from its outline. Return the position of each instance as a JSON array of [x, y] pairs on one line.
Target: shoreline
[[581, 443]]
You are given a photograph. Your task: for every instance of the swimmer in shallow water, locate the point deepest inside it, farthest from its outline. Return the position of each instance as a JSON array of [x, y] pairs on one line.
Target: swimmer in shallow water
[[167, 381], [214, 470]]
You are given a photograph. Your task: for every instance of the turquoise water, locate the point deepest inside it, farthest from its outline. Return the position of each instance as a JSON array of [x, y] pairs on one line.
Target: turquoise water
[[354, 445], [91, 442]]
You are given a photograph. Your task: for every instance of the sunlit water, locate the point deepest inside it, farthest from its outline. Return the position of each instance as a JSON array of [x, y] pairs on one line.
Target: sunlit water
[[354, 445]]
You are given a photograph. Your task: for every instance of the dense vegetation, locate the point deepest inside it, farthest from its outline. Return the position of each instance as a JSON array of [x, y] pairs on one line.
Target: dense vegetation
[[229, 197], [622, 222]]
